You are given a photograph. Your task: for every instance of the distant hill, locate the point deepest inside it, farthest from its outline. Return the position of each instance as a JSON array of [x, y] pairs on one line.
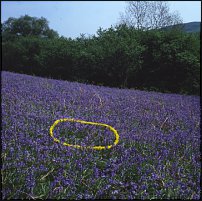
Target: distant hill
[[190, 27]]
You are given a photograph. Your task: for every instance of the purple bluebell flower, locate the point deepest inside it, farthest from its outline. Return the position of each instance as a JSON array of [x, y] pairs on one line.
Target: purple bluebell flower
[[158, 155]]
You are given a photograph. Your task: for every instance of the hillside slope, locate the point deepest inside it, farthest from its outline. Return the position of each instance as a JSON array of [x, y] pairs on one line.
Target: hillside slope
[[157, 156], [190, 27]]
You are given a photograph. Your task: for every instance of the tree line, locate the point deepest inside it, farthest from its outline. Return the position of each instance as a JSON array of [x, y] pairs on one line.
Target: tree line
[[120, 56]]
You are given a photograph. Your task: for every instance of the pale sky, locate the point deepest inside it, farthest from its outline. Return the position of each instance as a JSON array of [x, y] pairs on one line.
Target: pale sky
[[72, 18]]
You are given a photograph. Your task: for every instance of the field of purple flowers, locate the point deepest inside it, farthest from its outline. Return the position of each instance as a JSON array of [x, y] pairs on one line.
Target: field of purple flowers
[[158, 154]]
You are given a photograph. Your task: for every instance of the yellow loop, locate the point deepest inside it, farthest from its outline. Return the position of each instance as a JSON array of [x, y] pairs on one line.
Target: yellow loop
[[85, 122]]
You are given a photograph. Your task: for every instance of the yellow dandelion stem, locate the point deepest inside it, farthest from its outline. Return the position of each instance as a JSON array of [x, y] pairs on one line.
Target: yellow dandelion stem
[[85, 122]]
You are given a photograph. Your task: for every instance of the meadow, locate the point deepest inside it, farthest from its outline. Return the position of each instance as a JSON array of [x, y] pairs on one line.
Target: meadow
[[157, 156]]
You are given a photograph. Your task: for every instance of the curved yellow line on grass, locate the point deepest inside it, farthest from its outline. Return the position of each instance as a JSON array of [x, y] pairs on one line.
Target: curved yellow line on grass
[[85, 122]]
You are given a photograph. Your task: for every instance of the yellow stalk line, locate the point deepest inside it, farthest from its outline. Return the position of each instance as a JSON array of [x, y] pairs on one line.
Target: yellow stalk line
[[85, 122]]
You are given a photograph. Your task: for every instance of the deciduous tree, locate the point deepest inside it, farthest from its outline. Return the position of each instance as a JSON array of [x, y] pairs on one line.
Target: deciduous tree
[[149, 15], [27, 26]]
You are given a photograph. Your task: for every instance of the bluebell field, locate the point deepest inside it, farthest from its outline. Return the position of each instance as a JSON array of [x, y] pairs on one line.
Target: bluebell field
[[157, 157]]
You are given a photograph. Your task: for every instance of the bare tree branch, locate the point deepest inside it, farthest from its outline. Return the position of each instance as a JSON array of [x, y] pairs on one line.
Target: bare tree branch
[[149, 15]]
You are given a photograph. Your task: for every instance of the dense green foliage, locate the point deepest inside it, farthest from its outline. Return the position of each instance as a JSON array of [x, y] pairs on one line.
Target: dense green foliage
[[27, 26], [166, 61]]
